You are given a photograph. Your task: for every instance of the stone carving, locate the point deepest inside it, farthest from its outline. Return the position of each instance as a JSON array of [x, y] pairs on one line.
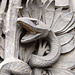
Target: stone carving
[[37, 32], [37, 37]]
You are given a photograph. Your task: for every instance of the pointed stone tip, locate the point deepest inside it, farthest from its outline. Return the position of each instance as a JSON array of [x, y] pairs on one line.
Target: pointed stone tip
[[18, 19], [31, 72]]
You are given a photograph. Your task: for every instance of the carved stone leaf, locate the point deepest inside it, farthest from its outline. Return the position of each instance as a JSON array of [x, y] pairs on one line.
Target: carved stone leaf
[[42, 49], [62, 21], [25, 51], [66, 61], [58, 12], [60, 3], [32, 9], [44, 1], [68, 47], [73, 5], [67, 41], [1, 44], [68, 36], [35, 10], [61, 72], [49, 14], [37, 71], [69, 27], [1, 47], [22, 52]]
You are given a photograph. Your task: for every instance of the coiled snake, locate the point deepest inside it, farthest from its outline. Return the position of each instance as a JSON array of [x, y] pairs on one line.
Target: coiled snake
[[37, 30]]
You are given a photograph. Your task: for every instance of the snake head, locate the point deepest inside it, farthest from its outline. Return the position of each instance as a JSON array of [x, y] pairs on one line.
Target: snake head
[[36, 29]]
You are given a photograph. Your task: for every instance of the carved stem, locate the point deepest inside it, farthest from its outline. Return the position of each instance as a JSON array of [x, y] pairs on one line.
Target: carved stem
[[3, 6], [10, 32]]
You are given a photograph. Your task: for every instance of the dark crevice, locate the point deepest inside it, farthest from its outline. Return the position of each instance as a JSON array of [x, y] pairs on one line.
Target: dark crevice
[[12, 74], [0, 1], [23, 2], [37, 45], [64, 8], [1, 59], [7, 5], [3, 35], [23, 33]]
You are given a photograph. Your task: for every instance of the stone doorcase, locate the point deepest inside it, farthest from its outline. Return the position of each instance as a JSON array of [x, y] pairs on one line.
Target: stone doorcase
[[37, 37]]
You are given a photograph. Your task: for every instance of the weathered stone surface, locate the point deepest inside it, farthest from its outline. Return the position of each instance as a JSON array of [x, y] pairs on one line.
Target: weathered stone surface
[[37, 37]]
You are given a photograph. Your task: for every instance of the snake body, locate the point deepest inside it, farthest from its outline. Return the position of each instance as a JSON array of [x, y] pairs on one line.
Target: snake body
[[38, 30], [45, 61], [14, 66]]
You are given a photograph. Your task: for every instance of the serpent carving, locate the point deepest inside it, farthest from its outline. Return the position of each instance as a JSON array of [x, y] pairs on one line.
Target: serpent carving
[[14, 66], [37, 30]]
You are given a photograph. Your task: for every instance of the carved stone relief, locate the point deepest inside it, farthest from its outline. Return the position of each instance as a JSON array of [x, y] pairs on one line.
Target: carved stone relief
[[37, 37]]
